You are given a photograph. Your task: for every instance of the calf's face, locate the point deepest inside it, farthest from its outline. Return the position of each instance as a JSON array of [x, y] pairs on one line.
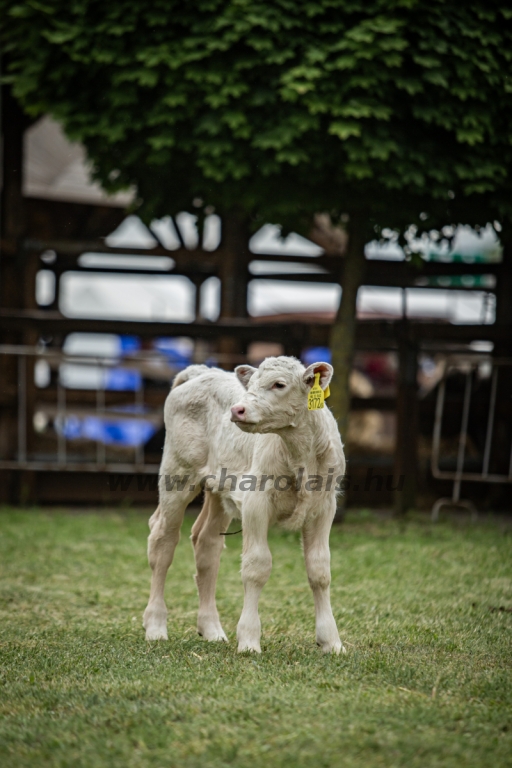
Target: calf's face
[[277, 393]]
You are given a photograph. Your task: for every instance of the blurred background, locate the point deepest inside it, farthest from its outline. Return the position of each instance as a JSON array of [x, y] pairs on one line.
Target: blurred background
[[161, 208]]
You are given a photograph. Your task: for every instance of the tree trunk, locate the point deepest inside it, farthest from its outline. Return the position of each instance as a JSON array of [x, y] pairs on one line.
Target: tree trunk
[[233, 267], [233, 275], [344, 328], [12, 220]]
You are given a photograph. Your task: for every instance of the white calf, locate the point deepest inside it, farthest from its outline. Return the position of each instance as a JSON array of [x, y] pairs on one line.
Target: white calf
[[250, 441]]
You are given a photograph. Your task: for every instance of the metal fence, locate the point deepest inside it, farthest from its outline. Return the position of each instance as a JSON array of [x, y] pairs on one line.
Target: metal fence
[[61, 458], [470, 368]]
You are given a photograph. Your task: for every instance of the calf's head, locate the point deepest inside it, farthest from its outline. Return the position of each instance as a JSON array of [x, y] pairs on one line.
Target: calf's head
[[277, 393]]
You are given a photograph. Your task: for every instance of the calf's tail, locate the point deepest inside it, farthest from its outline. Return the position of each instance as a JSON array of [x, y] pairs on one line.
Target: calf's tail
[[188, 373]]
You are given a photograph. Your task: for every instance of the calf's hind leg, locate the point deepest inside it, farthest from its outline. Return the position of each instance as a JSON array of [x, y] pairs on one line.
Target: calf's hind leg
[[208, 544], [165, 527]]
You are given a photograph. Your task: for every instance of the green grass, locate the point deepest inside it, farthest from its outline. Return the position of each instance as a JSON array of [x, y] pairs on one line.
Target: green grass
[[425, 681]]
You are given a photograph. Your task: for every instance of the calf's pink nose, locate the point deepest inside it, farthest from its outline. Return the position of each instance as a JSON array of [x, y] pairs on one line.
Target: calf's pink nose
[[238, 413]]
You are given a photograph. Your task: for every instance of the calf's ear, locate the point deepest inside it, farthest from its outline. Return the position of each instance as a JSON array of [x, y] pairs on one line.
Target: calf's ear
[[324, 369], [244, 373]]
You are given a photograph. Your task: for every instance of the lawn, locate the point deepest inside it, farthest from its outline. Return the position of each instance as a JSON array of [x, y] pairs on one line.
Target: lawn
[[425, 682]]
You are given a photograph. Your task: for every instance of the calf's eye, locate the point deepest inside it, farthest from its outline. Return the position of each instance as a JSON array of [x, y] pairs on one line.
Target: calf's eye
[[278, 385]]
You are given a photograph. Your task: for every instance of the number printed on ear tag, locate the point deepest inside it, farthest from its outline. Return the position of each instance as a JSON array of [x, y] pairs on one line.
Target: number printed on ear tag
[[316, 395]]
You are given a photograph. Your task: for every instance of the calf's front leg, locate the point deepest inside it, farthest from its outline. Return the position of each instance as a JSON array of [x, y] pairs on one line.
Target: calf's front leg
[[315, 536], [256, 568]]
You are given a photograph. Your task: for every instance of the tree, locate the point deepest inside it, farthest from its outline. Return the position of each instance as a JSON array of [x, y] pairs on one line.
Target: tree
[[384, 113]]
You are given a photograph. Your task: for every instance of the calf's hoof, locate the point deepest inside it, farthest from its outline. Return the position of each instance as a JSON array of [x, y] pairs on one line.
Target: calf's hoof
[[155, 624], [246, 646], [248, 636], [212, 631], [336, 647]]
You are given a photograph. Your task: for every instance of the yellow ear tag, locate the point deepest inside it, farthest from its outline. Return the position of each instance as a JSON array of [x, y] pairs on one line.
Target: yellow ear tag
[[316, 395], [327, 392]]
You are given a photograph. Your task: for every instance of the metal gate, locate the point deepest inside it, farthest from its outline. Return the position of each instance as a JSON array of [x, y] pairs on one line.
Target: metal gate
[[470, 367], [94, 452]]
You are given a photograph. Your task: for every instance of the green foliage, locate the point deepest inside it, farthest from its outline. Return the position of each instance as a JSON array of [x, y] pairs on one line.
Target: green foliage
[[282, 108], [424, 681]]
